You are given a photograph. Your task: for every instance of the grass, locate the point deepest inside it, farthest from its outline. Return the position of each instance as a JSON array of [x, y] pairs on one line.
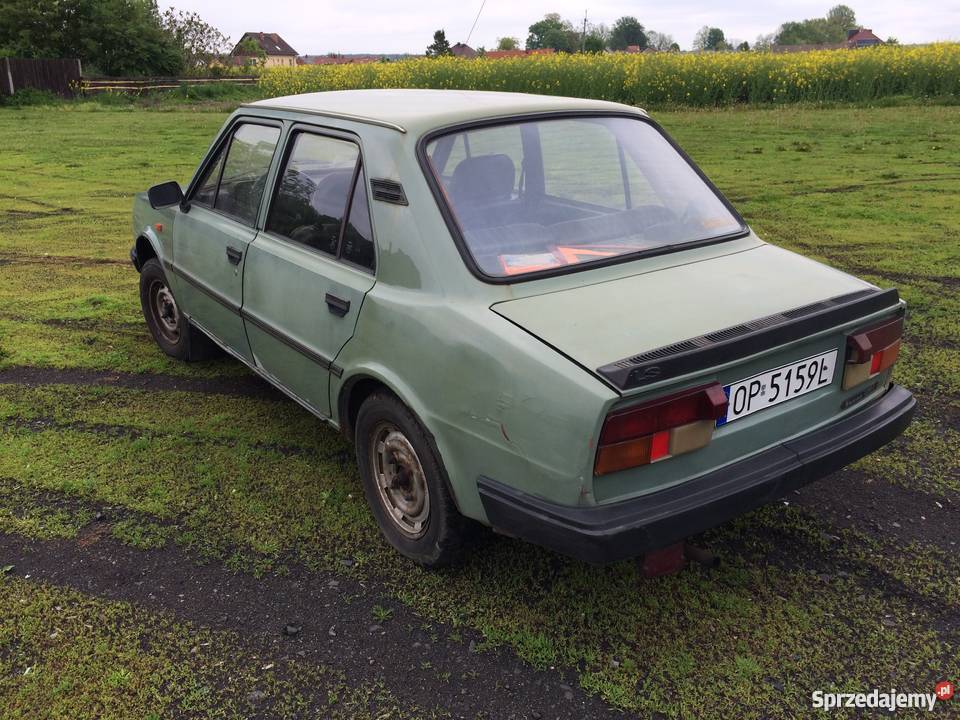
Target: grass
[[66, 655], [803, 601]]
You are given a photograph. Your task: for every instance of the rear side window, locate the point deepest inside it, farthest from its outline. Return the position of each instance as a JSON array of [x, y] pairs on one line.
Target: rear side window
[[234, 182], [321, 200], [357, 235]]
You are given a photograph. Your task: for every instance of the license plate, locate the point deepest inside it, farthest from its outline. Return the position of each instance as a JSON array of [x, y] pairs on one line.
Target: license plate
[[778, 386]]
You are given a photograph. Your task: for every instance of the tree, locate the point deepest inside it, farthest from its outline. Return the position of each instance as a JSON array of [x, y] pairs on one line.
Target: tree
[[253, 54], [818, 31], [551, 22], [200, 43], [892, 41], [562, 39], [763, 42], [627, 31], [507, 43], [115, 37], [594, 42], [440, 46], [842, 17], [744, 46], [660, 41], [709, 38]]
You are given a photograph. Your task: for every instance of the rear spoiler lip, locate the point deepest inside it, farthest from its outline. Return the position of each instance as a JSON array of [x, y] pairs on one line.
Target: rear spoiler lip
[[746, 339]]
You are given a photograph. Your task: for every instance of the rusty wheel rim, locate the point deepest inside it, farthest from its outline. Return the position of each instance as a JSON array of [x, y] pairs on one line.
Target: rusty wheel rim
[[401, 483], [166, 314]]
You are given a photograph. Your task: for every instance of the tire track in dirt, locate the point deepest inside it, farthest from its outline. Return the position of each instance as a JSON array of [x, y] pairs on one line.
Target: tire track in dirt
[[24, 259], [243, 385], [416, 660], [43, 424]]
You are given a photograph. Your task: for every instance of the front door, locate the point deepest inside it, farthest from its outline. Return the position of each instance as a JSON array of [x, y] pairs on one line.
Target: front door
[[212, 238], [307, 273]]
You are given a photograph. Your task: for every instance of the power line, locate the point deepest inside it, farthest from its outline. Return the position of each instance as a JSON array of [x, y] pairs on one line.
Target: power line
[[475, 22]]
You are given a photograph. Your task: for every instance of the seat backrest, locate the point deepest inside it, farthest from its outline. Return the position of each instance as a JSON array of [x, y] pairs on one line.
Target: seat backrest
[[483, 179]]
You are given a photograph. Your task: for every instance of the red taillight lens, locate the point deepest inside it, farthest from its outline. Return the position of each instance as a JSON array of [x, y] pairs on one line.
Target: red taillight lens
[[703, 403], [658, 429], [872, 351]]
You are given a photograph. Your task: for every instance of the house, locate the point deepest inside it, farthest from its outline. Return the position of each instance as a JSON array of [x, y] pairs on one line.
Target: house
[[278, 52], [463, 50], [856, 38], [632, 49], [862, 37], [501, 54], [337, 59]]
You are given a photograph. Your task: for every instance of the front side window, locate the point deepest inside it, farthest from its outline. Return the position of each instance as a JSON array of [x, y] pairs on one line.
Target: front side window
[[548, 194], [233, 183], [321, 200]]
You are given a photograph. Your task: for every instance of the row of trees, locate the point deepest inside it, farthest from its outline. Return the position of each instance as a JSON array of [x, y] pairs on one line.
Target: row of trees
[[112, 37], [563, 36], [558, 34]]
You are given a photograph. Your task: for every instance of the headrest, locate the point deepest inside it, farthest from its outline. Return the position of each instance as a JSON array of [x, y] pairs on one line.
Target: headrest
[[483, 179]]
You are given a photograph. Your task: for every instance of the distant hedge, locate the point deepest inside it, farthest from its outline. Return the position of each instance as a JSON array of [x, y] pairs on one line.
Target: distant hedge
[[702, 79]]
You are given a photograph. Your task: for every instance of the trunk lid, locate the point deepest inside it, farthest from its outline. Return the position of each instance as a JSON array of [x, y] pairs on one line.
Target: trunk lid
[[601, 325]]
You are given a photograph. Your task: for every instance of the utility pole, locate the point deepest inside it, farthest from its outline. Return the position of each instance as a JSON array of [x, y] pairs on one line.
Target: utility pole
[[583, 35]]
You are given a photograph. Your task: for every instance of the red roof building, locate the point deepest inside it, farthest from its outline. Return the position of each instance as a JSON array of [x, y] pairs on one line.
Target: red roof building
[[862, 37]]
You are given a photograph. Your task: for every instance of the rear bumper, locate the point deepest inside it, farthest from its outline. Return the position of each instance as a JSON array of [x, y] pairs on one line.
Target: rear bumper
[[607, 533]]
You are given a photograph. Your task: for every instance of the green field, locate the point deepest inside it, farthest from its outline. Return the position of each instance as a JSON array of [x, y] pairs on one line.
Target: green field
[[852, 584]]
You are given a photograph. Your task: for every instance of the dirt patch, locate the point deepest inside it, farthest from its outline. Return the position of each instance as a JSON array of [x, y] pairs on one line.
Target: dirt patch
[[244, 385], [23, 259], [42, 424], [416, 660], [853, 499]]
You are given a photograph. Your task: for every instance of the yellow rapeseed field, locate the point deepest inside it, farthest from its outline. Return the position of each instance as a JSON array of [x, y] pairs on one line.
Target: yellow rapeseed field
[[697, 79]]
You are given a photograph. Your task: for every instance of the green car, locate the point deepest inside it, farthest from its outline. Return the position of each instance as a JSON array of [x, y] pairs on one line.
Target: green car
[[532, 313]]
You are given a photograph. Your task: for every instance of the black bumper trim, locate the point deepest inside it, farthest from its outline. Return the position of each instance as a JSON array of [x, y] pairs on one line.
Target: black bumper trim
[[608, 533]]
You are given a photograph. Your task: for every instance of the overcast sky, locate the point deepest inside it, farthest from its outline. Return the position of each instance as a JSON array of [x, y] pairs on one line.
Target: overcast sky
[[379, 26]]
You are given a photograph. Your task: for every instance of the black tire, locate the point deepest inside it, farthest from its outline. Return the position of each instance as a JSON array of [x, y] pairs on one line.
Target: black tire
[[169, 327], [443, 531]]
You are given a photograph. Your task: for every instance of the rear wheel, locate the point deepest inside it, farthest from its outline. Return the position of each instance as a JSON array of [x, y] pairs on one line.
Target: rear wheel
[[170, 329], [405, 483]]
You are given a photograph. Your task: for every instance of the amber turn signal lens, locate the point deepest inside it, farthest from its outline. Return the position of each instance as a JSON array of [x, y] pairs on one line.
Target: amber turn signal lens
[[619, 456]]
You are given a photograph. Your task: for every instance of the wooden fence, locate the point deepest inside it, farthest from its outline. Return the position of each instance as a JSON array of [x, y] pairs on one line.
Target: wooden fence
[[138, 85], [61, 76]]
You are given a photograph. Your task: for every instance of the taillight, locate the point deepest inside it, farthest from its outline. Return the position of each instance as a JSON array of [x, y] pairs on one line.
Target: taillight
[[659, 429], [871, 351]]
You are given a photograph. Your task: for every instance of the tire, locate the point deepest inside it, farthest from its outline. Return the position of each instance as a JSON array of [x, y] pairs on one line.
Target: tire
[[169, 327], [415, 511]]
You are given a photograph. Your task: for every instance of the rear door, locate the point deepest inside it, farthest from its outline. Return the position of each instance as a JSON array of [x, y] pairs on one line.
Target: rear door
[[308, 271], [211, 240]]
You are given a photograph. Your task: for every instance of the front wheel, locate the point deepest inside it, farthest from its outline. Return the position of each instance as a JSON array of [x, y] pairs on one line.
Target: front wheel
[[168, 325], [405, 483]]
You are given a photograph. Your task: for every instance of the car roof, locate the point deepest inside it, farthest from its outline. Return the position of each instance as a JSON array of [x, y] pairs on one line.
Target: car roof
[[419, 111]]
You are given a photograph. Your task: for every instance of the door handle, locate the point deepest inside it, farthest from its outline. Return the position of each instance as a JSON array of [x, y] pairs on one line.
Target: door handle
[[234, 255], [338, 306]]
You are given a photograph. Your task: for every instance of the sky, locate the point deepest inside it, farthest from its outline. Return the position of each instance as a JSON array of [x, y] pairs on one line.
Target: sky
[[395, 26]]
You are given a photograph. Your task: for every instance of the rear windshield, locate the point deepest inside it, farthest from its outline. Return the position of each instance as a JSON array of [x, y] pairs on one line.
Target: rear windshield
[[548, 194]]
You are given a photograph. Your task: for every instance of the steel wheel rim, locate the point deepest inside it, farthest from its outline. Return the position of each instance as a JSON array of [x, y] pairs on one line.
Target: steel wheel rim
[[401, 483], [166, 314]]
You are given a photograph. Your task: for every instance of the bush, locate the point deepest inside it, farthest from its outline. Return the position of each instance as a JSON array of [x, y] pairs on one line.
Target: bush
[[695, 79]]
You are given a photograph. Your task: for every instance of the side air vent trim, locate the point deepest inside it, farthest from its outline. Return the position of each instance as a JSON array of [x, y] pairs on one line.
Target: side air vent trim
[[388, 191], [745, 339]]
